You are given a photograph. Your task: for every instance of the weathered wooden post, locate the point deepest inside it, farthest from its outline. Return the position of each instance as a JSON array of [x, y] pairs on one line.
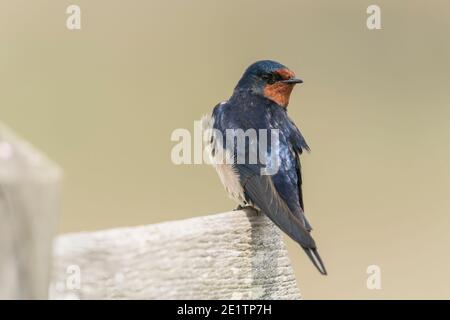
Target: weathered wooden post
[[234, 255], [29, 204]]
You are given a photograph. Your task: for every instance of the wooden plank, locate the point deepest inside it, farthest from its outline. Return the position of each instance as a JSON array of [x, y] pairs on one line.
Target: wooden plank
[[234, 255]]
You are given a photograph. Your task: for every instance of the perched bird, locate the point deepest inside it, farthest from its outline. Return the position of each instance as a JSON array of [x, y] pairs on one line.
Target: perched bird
[[259, 102]]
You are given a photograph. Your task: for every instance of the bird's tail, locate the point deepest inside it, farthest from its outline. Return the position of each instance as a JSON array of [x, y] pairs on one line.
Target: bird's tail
[[314, 256], [262, 192]]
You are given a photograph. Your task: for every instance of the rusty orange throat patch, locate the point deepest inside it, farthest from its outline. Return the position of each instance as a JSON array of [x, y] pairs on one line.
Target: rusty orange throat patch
[[280, 92]]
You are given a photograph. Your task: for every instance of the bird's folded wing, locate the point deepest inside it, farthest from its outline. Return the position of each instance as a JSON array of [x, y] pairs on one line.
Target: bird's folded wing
[[261, 192]]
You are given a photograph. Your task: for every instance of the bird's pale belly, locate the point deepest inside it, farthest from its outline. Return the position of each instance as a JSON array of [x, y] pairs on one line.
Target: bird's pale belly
[[221, 160], [231, 183]]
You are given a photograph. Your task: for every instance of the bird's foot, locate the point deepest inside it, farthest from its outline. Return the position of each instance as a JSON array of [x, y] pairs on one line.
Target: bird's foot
[[247, 207]]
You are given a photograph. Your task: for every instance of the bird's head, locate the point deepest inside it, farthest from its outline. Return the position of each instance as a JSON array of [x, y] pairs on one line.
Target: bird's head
[[270, 79]]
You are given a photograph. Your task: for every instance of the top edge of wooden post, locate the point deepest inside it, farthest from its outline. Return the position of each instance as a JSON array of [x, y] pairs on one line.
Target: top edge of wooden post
[[232, 255]]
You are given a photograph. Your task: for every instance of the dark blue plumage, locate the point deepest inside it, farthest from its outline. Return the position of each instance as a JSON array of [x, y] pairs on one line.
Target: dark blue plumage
[[259, 102], [248, 111]]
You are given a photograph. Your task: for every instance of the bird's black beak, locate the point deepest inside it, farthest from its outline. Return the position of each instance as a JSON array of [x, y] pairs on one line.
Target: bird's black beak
[[292, 81]]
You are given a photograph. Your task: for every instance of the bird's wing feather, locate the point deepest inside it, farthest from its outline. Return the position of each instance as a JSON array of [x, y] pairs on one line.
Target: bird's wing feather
[[301, 210], [288, 179], [260, 191], [299, 144]]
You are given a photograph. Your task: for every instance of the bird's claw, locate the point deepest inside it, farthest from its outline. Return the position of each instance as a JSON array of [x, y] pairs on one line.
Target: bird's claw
[[248, 207]]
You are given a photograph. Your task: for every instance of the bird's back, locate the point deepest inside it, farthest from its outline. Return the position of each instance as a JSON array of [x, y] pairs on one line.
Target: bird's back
[[246, 111]]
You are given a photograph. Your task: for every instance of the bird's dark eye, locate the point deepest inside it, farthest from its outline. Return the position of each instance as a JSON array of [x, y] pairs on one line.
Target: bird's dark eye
[[271, 78]]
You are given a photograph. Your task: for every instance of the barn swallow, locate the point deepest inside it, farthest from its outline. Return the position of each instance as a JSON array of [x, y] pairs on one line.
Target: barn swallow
[[260, 101]]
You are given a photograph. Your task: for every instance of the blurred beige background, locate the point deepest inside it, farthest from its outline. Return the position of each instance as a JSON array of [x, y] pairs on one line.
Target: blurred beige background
[[374, 107]]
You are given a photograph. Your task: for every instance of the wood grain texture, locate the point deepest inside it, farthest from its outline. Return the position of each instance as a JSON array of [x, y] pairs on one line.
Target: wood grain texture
[[29, 205], [234, 255]]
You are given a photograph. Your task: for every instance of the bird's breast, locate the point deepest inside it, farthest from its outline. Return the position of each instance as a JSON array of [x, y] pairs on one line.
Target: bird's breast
[[221, 159]]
